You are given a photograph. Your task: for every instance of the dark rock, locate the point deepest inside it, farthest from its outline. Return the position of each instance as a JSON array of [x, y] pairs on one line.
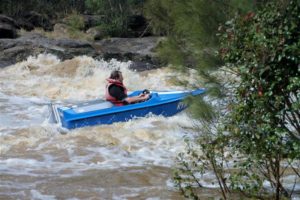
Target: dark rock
[[38, 20], [16, 50], [5, 63], [13, 51], [7, 20], [92, 21], [69, 43], [8, 27], [25, 24], [142, 66], [138, 50], [137, 21], [138, 26], [7, 31], [142, 46]]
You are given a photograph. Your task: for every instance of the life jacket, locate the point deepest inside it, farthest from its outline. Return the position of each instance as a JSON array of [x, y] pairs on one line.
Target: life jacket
[[110, 98]]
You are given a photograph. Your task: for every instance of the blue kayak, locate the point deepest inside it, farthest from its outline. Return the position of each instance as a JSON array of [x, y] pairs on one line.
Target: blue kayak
[[97, 112]]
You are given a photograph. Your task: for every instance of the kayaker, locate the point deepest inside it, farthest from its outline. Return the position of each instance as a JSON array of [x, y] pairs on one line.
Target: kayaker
[[116, 92]]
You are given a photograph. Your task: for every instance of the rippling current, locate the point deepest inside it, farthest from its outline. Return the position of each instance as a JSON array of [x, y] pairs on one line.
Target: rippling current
[[129, 160]]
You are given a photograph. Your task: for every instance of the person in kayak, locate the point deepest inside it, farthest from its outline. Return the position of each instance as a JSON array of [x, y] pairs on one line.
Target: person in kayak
[[116, 92]]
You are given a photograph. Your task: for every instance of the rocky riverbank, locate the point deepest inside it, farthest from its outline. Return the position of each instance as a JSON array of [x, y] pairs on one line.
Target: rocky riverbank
[[15, 47]]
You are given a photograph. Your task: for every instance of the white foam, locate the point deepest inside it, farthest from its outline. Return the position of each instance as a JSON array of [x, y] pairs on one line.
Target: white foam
[[38, 195], [27, 88]]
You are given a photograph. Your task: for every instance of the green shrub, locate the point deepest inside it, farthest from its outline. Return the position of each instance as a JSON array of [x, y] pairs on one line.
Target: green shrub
[[263, 49], [75, 21]]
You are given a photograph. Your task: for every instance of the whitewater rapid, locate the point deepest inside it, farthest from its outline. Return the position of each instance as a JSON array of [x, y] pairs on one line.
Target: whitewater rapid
[[124, 160], [127, 160]]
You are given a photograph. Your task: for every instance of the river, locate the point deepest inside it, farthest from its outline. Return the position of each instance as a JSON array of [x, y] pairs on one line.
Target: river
[[129, 160]]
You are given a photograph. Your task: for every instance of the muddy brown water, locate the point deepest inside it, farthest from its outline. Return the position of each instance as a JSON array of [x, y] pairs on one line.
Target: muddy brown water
[[130, 160]]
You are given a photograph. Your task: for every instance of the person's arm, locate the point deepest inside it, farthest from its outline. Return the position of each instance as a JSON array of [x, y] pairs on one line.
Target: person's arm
[[118, 93], [136, 99]]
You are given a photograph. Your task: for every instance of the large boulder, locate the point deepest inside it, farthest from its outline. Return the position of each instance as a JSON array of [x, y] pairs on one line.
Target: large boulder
[[7, 31], [138, 50], [8, 27], [7, 20], [15, 50]]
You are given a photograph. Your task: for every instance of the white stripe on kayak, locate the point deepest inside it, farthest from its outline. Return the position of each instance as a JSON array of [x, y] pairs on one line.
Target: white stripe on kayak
[[173, 92]]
